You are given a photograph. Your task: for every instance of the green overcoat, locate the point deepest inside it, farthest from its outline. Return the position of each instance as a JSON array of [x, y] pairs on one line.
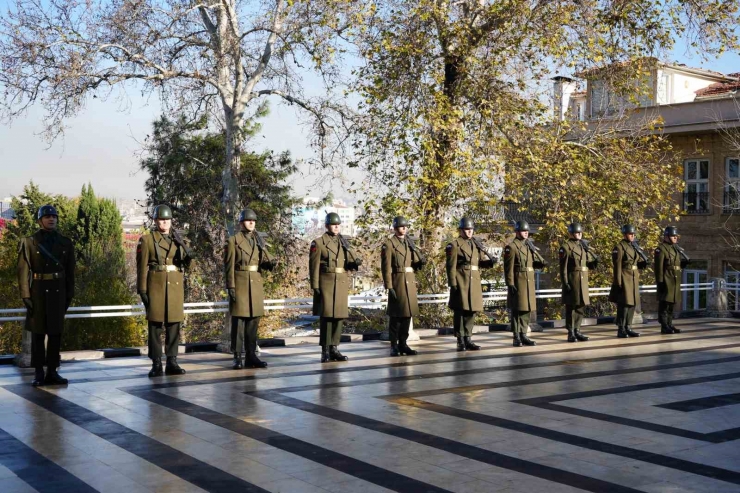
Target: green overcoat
[[398, 263], [463, 275], [155, 253], [626, 265], [519, 265], [46, 275], [328, 263], [574, 272], [668, 273], [244, 262]]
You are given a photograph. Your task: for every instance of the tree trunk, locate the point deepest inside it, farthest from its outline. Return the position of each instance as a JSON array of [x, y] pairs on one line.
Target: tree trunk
[[230, 202]]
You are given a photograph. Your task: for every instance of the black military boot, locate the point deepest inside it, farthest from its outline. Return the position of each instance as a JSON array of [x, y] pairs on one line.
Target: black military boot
[[54, 378], [324, 355], [394, 349], [517, 340], [335, 355], [631, 332], [579, 335], [674, 329], [664, 329], [526, 340], [621, 333], [469, 345], [237, 362], [253, 361], [172, 368], [460, 344], [404, 348], [38, 378], [156, 370], [571, 337]]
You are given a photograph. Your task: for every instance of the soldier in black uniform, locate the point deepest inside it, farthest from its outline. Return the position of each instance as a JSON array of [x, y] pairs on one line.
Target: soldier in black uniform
[[46, 278]]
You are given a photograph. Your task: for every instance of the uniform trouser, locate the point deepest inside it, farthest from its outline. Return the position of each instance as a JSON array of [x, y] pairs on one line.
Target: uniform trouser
[[330, 331], [574, 316], [625, 313], [244, 326], [48, 355], [398, 329], [172, 339], [665, 313], [519, 321], [462, 321]]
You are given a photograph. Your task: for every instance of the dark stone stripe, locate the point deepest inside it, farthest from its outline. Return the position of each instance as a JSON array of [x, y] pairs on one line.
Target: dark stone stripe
[[463, 450], [703, 403], [172, 460], [346, 464], [713, 437], [39, 472], [558, 436]]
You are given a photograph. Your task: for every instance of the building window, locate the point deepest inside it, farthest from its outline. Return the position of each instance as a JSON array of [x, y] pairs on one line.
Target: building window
[[732, 277], [696, 195], [731, 202], [695, 298]]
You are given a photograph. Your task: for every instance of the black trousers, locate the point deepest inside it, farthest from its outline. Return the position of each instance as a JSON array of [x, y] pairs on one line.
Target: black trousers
[[625, 314], [519, 321], [462, 322], [330, 331], [574, 316], [244, 326], [398, 329], [172, 339], [48, 355], [665, 313]]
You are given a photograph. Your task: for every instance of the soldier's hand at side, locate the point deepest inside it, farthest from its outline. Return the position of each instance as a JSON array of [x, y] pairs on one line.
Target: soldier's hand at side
[[358, 262], [29, 306], [232, 294], [567, 287], [454, 288], [392, 294], [317, 291], [145, 299], [513, 289]]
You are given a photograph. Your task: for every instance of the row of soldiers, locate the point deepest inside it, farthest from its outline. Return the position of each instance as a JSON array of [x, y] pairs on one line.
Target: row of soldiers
[[46, 264]]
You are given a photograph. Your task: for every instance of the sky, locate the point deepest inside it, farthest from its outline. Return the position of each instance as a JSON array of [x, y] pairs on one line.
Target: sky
[[101, 145]]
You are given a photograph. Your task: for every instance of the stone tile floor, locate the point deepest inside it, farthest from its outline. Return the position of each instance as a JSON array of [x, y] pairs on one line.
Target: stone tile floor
[[659, 414]]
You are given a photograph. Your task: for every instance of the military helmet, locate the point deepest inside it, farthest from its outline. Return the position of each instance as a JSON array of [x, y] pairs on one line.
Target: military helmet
[[521, 226], [332, 218], [46, 210], [671, 231], [247, 215], [466, 223], [628, 229], [575, 228], [162, 212], [400, 221]]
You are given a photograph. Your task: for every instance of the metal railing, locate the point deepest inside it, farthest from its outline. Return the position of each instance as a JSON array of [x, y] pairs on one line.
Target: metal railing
[[696, 202], [372, 301], [731, 202]]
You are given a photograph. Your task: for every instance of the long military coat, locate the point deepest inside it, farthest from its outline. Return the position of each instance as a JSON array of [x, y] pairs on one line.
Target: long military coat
[[243, 264], [626, 265], [50, 297], [166, 289], [574, 271], [327, 254], [398, 264], [519, 272], [668, 271], [463, 271]]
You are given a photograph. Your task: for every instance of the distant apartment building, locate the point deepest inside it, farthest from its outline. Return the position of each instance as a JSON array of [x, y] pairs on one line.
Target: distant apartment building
[[700, 113], [308, 218]]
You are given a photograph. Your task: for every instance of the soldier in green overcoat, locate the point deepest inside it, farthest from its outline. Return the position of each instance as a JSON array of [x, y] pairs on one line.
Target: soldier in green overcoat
[[399, 259], [576, 259], [161, 259], [329, 260], [46, 278], [466, 255], [521, 258], [670, 260], [628, 260], [245, 258]]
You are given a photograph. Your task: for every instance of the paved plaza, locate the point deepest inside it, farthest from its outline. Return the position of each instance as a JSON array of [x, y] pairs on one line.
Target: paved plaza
[[658, 413]]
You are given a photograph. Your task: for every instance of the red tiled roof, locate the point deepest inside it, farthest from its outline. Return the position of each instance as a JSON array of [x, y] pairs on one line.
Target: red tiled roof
[[718, 88]]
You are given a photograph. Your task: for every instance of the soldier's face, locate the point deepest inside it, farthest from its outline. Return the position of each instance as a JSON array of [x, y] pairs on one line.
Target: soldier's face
[[249, 225], [401, 231], [522, 235], [164, 225], [629, 237], [672, 239], [333, 229], [576, 236], [49, 222], [466, 233]]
